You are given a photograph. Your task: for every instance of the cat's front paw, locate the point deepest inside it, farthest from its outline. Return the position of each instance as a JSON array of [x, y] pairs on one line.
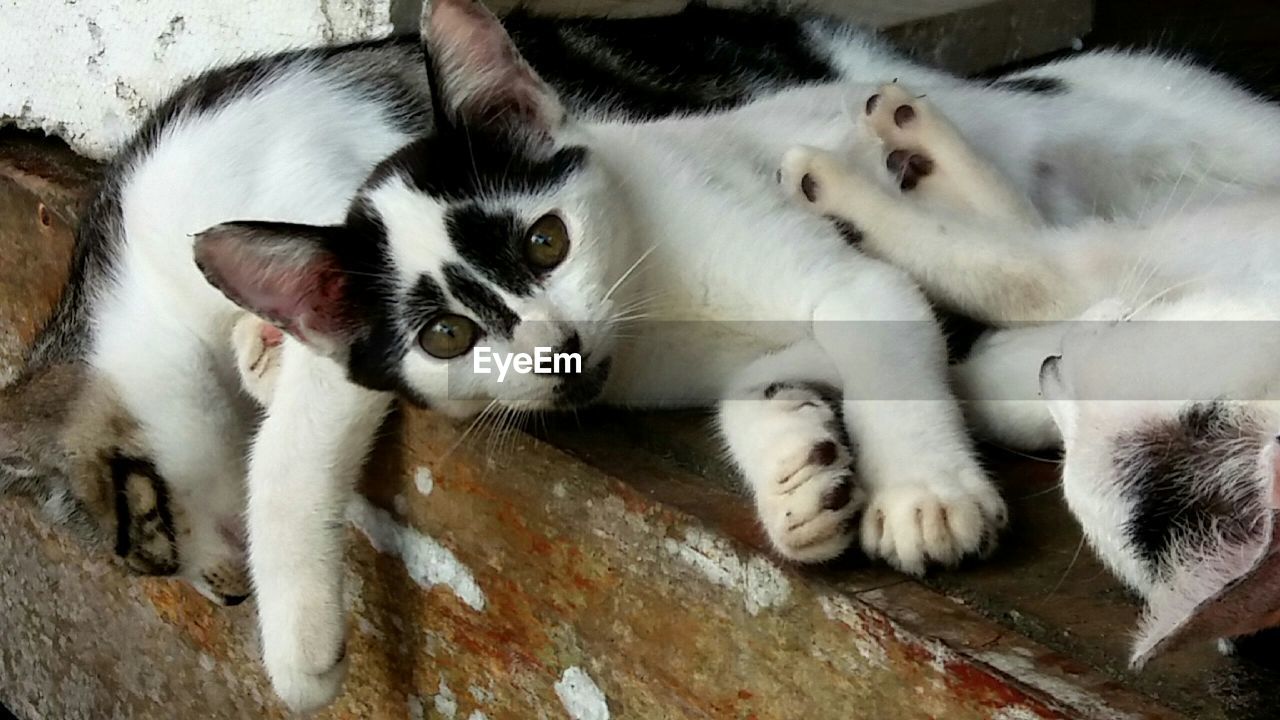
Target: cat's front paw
[[258, 346], [306, 672], [791, 446], [915, 522]]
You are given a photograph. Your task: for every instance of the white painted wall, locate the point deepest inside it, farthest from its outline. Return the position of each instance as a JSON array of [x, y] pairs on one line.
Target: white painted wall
[[89, 70]]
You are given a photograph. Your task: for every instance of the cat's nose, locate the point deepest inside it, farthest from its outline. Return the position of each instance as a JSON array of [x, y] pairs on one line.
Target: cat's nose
[[571, 345]]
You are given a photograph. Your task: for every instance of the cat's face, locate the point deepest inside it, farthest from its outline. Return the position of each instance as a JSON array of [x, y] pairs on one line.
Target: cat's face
[[67, 441], [1178, 497], [473, 259]]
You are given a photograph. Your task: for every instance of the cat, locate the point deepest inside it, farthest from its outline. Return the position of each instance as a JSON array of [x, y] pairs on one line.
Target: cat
[[231, 143], [71, 439], [1145, 346], [518, 219]]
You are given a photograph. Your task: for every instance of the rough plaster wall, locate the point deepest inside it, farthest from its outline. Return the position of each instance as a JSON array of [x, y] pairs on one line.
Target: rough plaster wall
[[89, 70]]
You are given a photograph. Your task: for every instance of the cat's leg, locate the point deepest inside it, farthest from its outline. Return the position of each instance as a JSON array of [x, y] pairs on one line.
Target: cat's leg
[[782, 423], [929, 158], [930, 500], [195, 431], [992, 272], [306, 458]]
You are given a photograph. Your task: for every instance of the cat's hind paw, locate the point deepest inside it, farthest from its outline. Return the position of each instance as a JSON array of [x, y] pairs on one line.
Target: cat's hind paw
[[913, 525], [906, 125], [815, 178]]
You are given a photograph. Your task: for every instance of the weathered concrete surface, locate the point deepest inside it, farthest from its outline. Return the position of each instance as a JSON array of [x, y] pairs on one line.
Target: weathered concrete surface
[[513, 580], [88, 72]]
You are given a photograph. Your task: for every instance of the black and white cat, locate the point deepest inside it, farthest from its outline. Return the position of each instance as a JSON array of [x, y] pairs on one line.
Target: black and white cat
[[519, 219], [1145, 345]]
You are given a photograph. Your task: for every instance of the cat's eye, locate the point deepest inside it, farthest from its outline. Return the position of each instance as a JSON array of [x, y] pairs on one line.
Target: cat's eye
[[547, 243], [448, 336]]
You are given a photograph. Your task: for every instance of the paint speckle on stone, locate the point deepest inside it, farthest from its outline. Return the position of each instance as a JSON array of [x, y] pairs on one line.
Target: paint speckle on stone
[[1026, 670], [1014, 713], [581, 697], [481, 695], [864, 641], [417, 709], [446, 702], [761, 583], [429, 563], [424, 480]]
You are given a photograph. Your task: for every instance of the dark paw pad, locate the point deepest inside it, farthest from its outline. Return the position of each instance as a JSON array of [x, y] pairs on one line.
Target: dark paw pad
[[903, 115], [809, 187], [838, 495], [908, 167], [872, 102], [824, 453]]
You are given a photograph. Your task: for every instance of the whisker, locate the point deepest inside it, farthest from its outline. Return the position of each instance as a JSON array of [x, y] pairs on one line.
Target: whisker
[[644, 256]]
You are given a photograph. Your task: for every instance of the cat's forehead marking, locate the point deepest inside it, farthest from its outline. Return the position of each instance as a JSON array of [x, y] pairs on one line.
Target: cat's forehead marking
[[491, 242], [468, 165], [482, 302], [1188, 476]]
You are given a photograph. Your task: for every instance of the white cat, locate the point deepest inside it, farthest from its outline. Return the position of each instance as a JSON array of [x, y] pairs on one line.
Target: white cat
[[514, 222], [1159, 377]]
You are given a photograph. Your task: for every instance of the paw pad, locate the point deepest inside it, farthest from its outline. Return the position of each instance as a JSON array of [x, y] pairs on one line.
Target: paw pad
[[809, 187]]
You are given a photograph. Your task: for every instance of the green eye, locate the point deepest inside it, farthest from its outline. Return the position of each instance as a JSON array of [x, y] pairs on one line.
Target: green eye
[[448, 336], [547, 243]]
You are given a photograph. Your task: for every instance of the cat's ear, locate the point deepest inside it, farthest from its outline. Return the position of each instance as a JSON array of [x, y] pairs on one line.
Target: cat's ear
[[478, 79], [1225, 589], [287, 275]]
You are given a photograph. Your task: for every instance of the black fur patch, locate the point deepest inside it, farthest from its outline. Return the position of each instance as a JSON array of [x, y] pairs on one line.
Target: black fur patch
[[460, 167], [1163, 468], [1036, 85], [696, 60], [486, 306], [160, 517], [492, 243]]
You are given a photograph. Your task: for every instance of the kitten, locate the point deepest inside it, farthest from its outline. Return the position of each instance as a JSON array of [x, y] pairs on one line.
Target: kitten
[[1150, 355]]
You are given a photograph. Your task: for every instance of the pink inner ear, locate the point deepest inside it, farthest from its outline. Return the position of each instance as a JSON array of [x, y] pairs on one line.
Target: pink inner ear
[[482, 71], [285, 279]]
